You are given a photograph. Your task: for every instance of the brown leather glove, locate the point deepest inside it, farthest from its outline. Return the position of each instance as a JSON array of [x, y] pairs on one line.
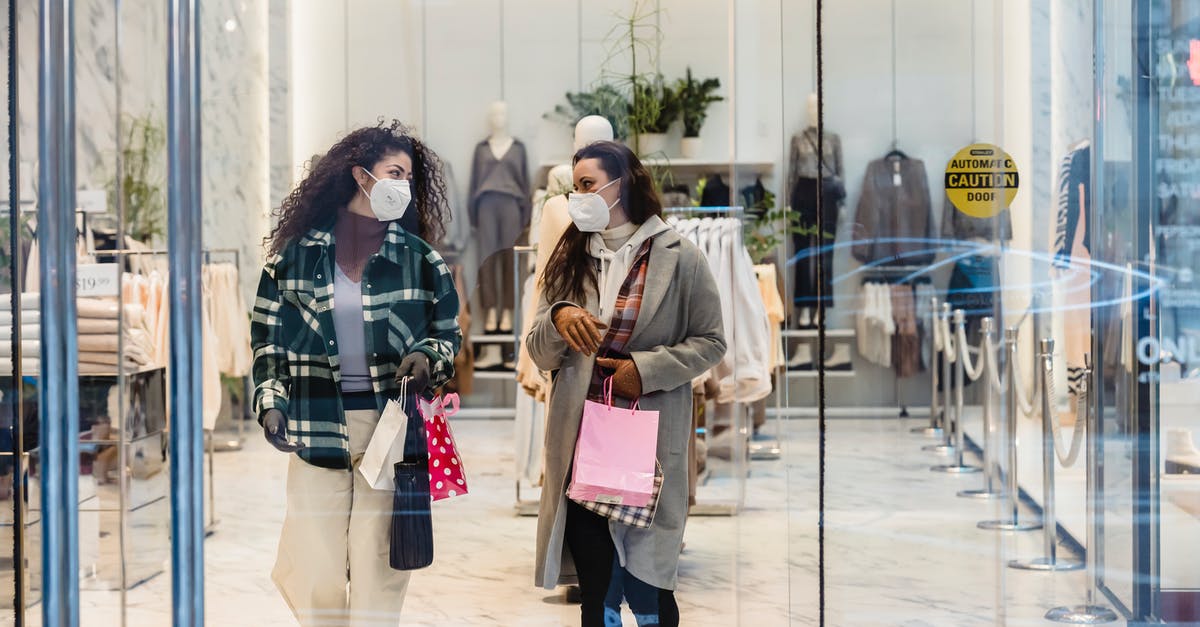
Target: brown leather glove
[[627, 381], [579, 328]]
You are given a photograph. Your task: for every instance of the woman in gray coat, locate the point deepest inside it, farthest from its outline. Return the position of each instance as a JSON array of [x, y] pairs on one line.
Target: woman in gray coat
[[623, 296]]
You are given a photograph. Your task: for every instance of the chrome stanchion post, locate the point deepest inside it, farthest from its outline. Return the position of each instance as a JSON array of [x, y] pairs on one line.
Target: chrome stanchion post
[[1049, 523], [946, 447], [934, 430], [1089, 613], [960, 371], [989, 490], [1013, 522]]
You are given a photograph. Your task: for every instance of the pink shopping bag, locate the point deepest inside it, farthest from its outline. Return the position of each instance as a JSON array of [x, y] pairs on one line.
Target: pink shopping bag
[[446, 475], [615, 454]]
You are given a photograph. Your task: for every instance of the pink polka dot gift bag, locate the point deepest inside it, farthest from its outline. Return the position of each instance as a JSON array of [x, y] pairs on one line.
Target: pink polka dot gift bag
[[447, 478]]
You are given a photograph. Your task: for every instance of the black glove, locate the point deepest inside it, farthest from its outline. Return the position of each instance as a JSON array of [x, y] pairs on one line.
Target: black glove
[[416, 368], [275, 430]]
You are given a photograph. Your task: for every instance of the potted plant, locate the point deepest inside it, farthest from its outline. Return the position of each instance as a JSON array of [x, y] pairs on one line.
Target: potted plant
[[141, 178], [605, 100], [694, 98], [655, 108]]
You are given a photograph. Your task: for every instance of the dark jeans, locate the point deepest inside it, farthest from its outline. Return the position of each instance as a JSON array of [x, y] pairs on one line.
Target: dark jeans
[[602, 581]]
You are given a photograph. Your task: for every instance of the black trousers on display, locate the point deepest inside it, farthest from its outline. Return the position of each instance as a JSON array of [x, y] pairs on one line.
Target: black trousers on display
[[804, 202], [602, 581]]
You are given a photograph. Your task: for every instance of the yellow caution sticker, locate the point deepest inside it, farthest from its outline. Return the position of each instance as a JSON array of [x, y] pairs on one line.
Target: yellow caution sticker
[[982, 180]]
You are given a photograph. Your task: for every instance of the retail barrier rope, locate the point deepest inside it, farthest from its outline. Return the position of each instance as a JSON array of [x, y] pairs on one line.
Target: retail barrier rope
[[1065, 457]]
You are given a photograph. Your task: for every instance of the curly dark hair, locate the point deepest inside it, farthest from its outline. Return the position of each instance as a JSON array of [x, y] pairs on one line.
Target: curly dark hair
[[330, 185], [570, 270]]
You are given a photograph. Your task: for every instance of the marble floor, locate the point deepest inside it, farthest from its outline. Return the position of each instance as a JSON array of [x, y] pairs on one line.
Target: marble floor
[[900, 547]]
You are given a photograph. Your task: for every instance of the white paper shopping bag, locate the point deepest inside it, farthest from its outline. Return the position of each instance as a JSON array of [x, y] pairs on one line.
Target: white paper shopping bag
[[386, 447]]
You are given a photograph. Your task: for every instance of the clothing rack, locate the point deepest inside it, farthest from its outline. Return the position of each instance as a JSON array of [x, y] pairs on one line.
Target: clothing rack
[[739, 458], [896, 275], [230, 444]]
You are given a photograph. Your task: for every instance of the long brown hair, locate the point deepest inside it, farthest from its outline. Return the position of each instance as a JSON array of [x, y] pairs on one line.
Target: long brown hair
[[330, 184], [570, 271]]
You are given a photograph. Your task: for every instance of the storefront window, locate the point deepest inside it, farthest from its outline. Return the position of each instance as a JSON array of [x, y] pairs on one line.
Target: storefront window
[[941, 370]]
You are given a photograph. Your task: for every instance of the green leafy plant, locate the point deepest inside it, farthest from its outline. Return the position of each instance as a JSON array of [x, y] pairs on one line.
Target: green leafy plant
[[141, 178], [656, 106], [605, 100], [768, 231], [694, 98]]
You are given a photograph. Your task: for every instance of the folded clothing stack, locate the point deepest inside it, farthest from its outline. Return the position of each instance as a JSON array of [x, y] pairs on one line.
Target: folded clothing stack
[[101, 331]]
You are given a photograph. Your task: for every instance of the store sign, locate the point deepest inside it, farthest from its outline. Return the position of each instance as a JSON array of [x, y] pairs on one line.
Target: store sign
[[982, 180], [97, 280]]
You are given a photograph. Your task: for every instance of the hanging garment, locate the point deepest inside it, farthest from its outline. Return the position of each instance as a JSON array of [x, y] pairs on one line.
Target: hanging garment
[[768, 287], [906, 343], [716, 193], [744, 373], [974, 288], [957, 225], [807, 243], [893, 222]]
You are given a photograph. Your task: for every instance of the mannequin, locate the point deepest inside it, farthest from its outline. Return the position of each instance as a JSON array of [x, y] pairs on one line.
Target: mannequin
[[500, 208], [807, 171]]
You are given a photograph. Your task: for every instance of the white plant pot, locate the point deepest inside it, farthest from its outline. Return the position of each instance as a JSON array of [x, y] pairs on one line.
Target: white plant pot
[[691, 147], [652, 144]]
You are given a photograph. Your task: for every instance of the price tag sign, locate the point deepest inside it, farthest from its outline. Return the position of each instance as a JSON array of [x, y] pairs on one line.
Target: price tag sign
[[97, 279]]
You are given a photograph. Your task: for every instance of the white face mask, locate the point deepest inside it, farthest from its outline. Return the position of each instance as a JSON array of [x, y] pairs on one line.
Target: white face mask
[[389, 197], [588, 211]]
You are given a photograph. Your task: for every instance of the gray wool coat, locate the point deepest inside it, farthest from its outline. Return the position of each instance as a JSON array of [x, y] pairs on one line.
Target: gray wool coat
[[678, 336]]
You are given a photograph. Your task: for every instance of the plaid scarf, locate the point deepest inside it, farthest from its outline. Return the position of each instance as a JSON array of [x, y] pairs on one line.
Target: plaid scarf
[[625, 315]]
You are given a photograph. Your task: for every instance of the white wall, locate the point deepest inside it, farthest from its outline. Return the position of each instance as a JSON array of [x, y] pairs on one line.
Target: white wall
[[974, 70]]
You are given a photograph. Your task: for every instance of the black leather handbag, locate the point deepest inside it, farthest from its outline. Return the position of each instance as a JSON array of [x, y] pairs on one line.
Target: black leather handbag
[[412, 518], [411, 537]]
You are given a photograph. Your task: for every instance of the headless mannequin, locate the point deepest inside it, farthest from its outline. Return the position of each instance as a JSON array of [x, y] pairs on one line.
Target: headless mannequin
[[807, 316], [496, 278]]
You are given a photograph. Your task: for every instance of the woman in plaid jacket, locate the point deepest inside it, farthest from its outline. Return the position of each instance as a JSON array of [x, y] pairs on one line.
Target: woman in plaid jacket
[[350, 302], [626, 297]]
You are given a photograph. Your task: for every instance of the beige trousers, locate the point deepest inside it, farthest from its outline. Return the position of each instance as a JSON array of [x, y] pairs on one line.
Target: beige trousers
[[332, 567]]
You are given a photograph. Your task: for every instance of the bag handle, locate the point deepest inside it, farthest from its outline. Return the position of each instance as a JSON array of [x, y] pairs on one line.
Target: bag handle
[[608, 395], [403, 399]]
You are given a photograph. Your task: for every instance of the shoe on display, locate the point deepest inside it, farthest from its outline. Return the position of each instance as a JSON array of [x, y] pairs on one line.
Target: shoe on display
[[490, 323], [1182, 456], [488, 357], [804, 320], [506, 321], [802, 358], [840, 359]]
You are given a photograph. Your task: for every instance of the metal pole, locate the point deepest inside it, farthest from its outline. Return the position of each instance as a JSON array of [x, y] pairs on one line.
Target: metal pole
[[960, 372], [184, 238], [934, 430], [59, 392], [1089, 613], [17, 269], [989, 490], [1050, 561], [945, 448], [1013, 523]]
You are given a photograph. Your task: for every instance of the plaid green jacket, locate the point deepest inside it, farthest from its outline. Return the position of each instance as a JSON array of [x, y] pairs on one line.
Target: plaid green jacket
[[409, 304]]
